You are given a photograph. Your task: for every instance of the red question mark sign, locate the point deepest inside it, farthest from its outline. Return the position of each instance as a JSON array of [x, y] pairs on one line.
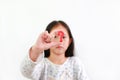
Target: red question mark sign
[[61, 34]]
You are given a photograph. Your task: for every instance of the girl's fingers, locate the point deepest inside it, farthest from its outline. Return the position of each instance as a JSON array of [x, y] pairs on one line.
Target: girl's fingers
[[49, 45], [47, 40]]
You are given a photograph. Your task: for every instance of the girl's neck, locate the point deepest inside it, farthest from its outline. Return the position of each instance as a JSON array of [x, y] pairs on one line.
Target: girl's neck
[[57, 59]]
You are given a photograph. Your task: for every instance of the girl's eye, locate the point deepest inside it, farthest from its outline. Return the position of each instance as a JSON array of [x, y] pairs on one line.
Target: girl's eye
[[64, 37], [55, 36]]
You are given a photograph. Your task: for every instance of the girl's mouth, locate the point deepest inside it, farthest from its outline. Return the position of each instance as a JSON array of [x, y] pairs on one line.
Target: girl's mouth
[[59, 46]]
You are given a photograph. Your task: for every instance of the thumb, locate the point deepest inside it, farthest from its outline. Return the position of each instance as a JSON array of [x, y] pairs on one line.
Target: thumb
[[53, 44]]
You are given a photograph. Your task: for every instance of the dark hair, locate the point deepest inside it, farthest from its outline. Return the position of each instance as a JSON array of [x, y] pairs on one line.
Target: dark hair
[[70, 51]]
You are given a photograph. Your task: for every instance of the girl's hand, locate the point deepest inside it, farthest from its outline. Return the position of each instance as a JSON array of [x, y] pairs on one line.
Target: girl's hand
[[44, 42]]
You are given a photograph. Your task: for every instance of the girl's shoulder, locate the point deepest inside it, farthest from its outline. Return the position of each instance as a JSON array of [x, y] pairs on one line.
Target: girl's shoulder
[[76, 63], [75, 60]]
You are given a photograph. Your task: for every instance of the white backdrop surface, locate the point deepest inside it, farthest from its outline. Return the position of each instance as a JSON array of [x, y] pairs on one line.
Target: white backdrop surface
[[95, 25]]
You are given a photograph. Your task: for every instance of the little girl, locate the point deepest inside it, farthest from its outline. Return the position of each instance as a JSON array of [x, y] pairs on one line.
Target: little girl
[[52, 56]]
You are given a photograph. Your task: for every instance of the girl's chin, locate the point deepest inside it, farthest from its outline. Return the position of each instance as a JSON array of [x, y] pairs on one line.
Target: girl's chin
[[59, 52]]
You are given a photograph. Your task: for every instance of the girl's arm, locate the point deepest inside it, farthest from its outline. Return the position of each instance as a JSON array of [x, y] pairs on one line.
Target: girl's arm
[[28, 64], [43, 42]]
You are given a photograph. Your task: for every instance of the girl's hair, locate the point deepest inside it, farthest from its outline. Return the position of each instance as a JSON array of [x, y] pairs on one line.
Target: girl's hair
[[70, 51]]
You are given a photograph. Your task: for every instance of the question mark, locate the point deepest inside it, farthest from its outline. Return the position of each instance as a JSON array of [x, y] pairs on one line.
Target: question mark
[[61, 34]]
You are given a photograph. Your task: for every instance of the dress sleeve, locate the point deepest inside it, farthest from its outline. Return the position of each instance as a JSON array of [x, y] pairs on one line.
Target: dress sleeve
[[82, 74], [81, 70], [27, 66]]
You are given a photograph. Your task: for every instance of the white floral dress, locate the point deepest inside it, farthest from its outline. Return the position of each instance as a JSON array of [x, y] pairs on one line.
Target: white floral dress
[[44, 69]]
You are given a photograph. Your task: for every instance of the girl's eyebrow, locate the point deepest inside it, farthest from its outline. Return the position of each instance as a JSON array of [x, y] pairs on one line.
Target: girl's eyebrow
[[56, 32]]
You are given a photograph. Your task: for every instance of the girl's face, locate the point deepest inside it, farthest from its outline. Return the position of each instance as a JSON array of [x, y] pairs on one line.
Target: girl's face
[[64, 44]]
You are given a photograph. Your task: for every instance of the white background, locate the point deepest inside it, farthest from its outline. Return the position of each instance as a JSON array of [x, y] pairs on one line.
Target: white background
[[95, 25]]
